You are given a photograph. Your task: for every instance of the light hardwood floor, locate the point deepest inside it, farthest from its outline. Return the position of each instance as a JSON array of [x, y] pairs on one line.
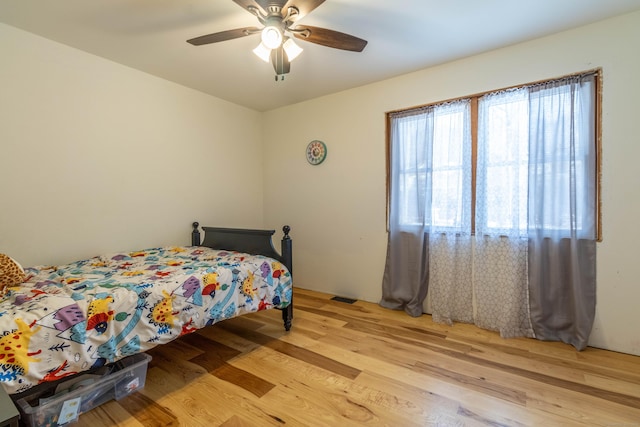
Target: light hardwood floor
[[359, 364]]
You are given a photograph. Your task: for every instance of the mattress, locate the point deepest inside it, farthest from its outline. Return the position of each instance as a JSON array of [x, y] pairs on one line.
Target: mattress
[[71, 318]]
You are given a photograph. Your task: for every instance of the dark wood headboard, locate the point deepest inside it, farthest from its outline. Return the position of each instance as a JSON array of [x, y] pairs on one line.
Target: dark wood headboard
[[255, 242]]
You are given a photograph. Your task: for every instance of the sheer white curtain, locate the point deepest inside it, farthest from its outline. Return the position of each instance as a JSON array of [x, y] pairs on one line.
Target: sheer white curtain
[[500, 258], [450, 266], [430, 212]]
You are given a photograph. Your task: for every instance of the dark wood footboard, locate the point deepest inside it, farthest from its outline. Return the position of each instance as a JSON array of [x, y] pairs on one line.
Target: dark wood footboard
[[255, 242]]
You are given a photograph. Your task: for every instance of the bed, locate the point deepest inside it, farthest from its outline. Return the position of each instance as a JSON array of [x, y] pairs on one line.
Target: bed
[[67, 319]]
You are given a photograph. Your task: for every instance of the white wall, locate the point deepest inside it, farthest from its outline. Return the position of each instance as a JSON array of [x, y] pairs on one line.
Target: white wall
[[337, 209], [97, 157]]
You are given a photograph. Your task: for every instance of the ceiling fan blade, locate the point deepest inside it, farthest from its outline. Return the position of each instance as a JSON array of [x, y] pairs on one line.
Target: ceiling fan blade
[[245, 4], [304, 6], [223, 35], [329, 38]]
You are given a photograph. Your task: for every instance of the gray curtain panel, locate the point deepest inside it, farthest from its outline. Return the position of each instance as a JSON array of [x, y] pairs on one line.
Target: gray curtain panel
[[562, 206], [406, 273], [417, 209], [562, 289]]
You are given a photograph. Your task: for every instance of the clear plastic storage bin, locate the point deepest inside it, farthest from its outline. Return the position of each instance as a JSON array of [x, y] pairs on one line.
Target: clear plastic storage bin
[[83, 392]]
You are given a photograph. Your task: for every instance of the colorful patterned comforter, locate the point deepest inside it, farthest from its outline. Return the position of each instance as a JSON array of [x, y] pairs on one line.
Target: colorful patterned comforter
[[71, 318]]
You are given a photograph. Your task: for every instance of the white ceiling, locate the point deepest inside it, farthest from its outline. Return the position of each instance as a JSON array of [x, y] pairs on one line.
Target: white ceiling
[[403, 36]]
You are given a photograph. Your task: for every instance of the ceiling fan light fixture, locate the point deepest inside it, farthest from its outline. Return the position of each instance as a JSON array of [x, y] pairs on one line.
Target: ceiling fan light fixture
[[262, 52], [291, 49], [271, 37]]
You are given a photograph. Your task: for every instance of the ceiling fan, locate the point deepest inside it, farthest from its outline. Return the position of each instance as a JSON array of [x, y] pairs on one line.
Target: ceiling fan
[[278, 18]]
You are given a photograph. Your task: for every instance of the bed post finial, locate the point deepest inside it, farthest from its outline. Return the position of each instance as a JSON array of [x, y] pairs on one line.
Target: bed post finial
[[195, 234], [287, 254], [287, 251]]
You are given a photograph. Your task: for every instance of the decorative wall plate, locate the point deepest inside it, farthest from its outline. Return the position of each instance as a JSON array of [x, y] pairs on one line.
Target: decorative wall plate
[[316, 152]]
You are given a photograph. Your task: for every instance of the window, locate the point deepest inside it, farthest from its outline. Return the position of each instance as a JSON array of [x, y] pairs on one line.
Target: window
[[503, 141], [443, 170], [485, 164]]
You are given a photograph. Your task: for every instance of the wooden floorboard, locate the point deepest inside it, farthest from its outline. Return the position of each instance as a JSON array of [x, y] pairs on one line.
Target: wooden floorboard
[[361, 365]]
